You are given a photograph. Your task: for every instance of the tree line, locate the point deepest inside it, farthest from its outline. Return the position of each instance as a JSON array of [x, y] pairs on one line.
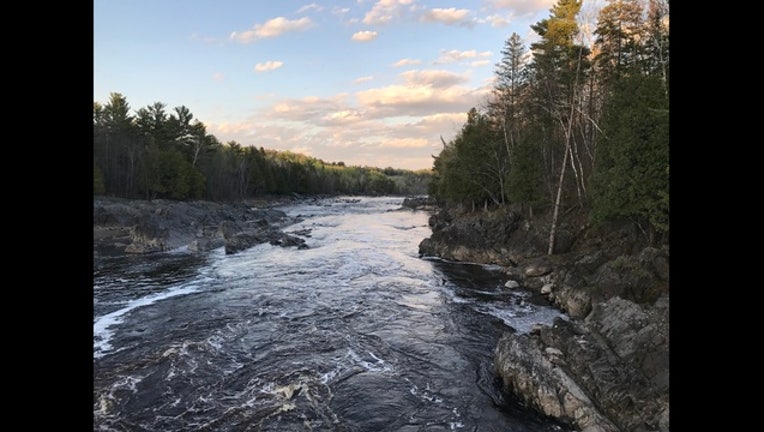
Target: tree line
[[570, 127], [155, 153]]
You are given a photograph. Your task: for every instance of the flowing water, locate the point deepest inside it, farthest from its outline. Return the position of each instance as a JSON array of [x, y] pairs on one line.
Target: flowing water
[[356, 333]]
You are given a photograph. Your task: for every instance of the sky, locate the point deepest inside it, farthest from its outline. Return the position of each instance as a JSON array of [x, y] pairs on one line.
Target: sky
[[365, 82]]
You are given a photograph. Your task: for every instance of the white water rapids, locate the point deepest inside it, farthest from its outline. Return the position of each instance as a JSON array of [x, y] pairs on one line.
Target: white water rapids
[[355, 333]]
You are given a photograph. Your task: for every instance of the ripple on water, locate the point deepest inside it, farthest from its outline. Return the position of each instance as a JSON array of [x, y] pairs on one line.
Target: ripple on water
[[355, 333]]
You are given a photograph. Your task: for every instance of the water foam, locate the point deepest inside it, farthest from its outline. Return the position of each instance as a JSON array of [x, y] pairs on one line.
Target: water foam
[[102, 331]]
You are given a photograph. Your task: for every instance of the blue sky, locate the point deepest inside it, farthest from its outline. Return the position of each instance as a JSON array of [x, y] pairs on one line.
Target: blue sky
[[366, 82]]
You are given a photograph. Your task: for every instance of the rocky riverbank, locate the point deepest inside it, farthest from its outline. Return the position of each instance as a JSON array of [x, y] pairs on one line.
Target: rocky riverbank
[[135, 226], [606, 368]]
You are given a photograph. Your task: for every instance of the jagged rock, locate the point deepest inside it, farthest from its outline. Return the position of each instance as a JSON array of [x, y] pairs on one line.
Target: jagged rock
[[606, 367], [137, 226], [241, 241], [612, 356], [149, 235], [287, 240], [526, 372], [418, 203], [471, 237]]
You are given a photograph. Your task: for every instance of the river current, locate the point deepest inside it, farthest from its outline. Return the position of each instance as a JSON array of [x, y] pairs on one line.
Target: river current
[[355, 333]]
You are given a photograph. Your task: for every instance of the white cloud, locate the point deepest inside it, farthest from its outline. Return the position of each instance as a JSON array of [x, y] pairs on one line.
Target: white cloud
[[229, 129], [432, 78], [307, 109], [448, 16], [454, 56], [364, 36], [218, 76], [522, 7], [406, 62], [384, 11], [497, 20], [363, 79], [342, 117], [405, 143], [311, 6], [480, 63], [397, 125], [268, 66], [272, 28], [340, 11], [415, 100]]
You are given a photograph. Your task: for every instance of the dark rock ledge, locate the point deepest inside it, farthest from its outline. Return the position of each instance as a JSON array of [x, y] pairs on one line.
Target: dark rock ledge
[[135, 226], [604, 369]]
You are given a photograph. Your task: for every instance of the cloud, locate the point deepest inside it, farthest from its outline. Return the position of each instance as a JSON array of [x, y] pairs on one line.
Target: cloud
[[272, 28], [405, 143], [432, 78], [340, 11], [448, 16], [415, 100], [396, 125], [406, 62], [342, 117], [364, 36], [384, 11], [454, 56], [522, 7], [311, 6], [268, 66], [226, 128], [497, 20], [308, 109], [480, 63], [218, 76], [363, 79]]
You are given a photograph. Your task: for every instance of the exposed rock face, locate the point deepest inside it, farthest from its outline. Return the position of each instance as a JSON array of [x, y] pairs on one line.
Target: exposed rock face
[[537, 377], [604, 369], [134, 226], [608, 373], [419, 203], [474, 238]]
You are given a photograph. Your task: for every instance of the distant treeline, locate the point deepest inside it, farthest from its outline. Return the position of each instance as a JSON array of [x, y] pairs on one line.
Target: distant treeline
[[573, 127], [153, 153]]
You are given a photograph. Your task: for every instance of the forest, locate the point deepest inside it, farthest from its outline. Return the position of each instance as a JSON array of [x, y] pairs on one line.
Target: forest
[[571, 128], [155, 153]]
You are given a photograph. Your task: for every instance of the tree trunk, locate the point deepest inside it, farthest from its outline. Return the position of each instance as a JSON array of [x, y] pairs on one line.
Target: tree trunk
[[556, 214]]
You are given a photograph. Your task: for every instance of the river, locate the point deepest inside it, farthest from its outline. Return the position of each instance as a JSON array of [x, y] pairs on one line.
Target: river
[[355, 333]]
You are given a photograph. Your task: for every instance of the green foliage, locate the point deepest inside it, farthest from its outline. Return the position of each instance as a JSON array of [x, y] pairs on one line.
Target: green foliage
[[98, 186], [167, 154], [471, 168], [632, 176], [610, 128], [620, 28], [525, 179]]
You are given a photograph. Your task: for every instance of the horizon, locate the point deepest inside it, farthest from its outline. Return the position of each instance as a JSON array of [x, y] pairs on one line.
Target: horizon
[[362, 82]]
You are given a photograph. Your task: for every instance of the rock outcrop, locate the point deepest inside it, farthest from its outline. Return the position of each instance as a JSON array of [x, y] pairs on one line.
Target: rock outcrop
[[134, 227], [606, 368], [607, 373]]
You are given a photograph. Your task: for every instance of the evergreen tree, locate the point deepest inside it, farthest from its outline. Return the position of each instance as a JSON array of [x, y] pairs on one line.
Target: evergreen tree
[[114, 148], [632, 176], [510, 78], [620, 35], [657, 41]]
